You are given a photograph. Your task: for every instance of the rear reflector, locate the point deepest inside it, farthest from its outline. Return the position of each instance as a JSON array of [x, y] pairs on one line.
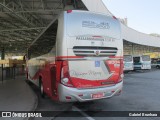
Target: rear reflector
[[68, 98], [80, 95], [113, 91], [120, 91]]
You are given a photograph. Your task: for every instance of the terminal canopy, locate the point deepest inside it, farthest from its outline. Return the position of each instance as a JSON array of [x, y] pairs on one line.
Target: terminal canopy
[[21, 21]]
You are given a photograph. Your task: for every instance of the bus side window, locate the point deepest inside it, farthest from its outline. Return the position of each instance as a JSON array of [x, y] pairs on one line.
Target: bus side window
[[45, 42]]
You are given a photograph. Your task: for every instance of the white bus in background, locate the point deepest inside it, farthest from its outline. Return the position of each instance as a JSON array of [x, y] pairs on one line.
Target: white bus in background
[[78, 57], [142, 62], [128, 63]]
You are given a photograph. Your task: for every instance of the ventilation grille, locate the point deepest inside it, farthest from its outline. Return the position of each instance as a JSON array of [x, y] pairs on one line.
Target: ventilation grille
[[94, 51]]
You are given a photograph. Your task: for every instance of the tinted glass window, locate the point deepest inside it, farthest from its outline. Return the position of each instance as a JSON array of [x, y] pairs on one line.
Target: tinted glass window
[[146, 58], [136, 59], [85, 23], [45, 42]]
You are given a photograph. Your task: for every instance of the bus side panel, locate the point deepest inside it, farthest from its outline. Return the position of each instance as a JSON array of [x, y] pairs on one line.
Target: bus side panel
[[46, 80], [43, 71], [33, 71]]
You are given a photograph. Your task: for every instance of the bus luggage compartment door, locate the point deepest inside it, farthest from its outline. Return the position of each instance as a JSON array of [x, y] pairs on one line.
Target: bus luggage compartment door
[[53, 79]]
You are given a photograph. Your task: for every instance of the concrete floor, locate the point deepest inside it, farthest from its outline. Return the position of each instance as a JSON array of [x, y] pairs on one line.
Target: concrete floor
[[16, 96]]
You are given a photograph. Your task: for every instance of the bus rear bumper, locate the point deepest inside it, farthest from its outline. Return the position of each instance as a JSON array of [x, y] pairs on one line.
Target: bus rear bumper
[[68, 94]]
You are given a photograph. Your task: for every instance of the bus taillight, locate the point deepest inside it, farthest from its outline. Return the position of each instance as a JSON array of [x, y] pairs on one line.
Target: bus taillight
[[65, 75]]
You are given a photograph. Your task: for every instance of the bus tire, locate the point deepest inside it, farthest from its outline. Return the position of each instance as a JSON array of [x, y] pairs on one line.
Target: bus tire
[[41, 88]]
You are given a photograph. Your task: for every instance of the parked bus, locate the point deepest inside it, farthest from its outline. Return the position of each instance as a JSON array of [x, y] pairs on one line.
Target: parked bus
[[128, 63], [142, 62], [78, 57], [155, 62]]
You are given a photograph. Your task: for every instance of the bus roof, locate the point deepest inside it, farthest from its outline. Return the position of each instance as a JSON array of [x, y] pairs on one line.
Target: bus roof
[[88, 21]]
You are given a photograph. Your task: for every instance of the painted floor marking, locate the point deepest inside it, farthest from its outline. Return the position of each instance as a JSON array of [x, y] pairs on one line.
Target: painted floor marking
[[83, 113]]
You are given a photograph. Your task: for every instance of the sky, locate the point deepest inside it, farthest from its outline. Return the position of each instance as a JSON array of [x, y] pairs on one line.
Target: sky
[[142, 15]]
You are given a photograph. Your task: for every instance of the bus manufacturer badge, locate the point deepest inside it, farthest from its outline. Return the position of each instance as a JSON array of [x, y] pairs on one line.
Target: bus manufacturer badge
[[97, 53]]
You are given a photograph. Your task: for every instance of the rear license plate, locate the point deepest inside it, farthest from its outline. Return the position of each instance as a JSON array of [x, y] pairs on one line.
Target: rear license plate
[[98, 95]]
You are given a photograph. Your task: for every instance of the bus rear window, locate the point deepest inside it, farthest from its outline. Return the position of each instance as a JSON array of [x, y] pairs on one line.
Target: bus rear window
[[81, 23]]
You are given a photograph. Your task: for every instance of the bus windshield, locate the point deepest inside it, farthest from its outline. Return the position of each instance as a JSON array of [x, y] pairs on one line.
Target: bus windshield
[[136, 59], [128, 58], [145, 58]]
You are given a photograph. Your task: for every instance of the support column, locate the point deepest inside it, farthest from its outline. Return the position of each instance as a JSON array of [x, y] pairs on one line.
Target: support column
[[132, 49], [2, 54], [2, 58]]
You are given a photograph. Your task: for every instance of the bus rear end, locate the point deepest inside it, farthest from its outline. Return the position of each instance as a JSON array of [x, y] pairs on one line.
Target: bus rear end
[[92, 61], [146, 62]]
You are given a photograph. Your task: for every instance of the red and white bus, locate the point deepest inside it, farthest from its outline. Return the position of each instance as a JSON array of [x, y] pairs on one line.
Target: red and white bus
[[78, 57]]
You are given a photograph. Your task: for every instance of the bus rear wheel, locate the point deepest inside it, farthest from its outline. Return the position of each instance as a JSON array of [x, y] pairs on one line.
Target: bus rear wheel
[[41, 88]]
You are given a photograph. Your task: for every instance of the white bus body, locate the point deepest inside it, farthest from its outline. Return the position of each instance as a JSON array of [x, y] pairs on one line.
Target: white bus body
[[128, 63], [79, 60], [142, 62]]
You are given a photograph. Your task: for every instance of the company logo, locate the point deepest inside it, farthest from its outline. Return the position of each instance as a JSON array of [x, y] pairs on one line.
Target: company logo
[[105, 39], [20, 115], [97, 53], [6, 114]]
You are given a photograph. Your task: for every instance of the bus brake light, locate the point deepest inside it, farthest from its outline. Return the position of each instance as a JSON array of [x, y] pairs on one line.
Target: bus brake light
[[68, 97]]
